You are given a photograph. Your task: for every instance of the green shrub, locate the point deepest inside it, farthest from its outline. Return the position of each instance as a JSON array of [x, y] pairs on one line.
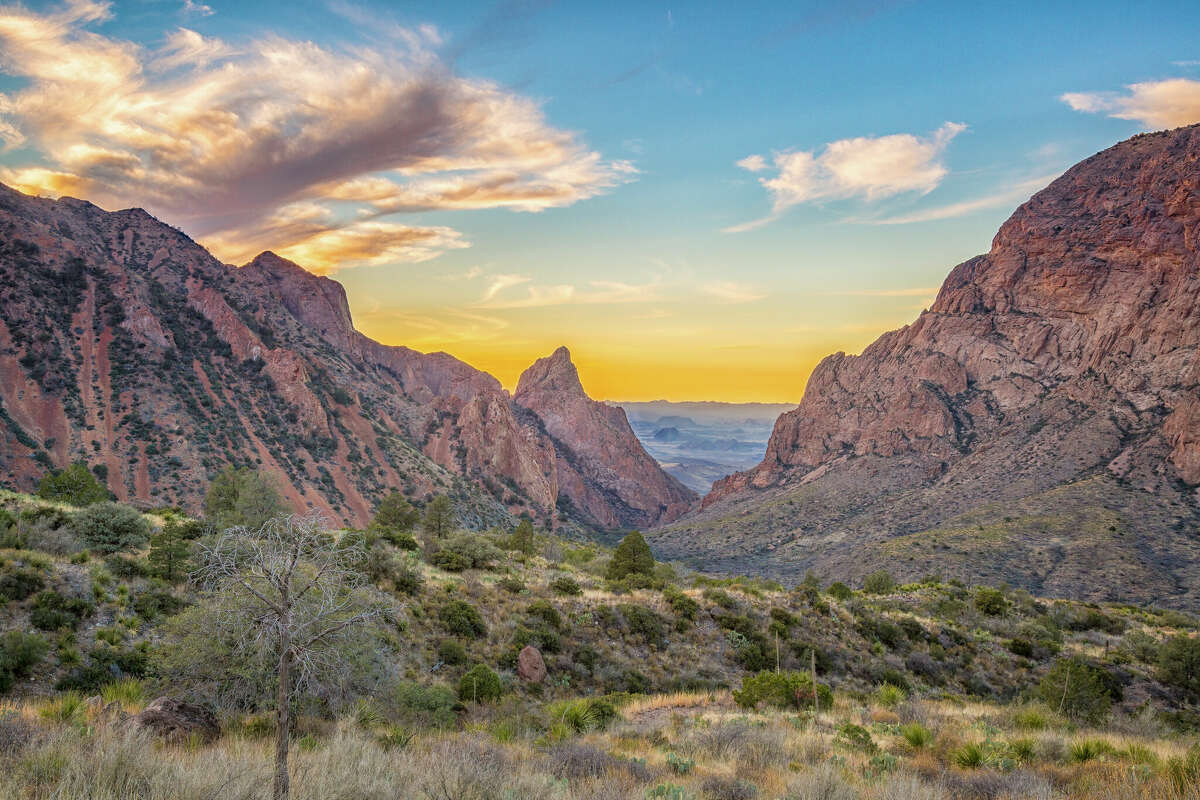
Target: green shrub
[[991, 601], [462, 619], [1078, 689], [1019, 646], [916, 735], [969, 756], [479, 684], [511, 585], [427, 706], [407, 580], [75, 485], [683, 605], [643, 622], [787, 689], [541, 609], [17, 583], [889, 695], [521, 539], [880, 582], [111, 527], [1086, 750], [723, 599], [155, 603], [52, 611], [855, 737], [1022, 750], [566, 586], [839, 591], [127, 692], [679, 765], [19, 654], [126, 567], [450, 560], [466, 551], [583, 714], [452, 651], [1179, 664]]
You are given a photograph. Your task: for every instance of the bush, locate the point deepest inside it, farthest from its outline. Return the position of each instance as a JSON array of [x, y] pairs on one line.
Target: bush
[[151, 605], [407, 580], [52, 611], [450, 560], [969, 756], [542, 610], [916, 735], [111, 527], [126, 567], [426, 706], [566, 586], [991, 601], [17, 583], [880, 582], [511, 585], [1086, 750], [19, 654], [889, 695], [683, 605], [462, 619], [1019, 646], [75, 485], [718, 787], [643, 622], [839, 591], [584, 714], [855, 737], [452, 651], [479, 684], [1179, 664], [466, 551], [1079, 689], [787, 689], [632, 557]]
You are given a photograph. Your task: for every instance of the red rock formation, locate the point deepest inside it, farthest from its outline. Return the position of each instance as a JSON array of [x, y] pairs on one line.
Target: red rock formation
[[603, 466], [125, 344], [1090, 289]]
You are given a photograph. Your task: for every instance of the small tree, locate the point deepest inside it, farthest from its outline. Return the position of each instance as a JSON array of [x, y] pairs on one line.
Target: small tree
[[242, 496], [1179, 664], [1077, 689], [439, 517], [169, 551], [394, 514], [109, 527], [294, 592], [632, 557], [991, 601], [521, 538], [75, 485], [880, 582]]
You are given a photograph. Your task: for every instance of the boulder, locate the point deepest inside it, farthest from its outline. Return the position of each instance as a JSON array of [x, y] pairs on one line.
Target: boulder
[[530, 665], [176, 720]]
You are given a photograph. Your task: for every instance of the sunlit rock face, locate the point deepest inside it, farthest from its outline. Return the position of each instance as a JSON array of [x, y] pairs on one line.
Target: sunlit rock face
[[125, 344], [1039, 424]]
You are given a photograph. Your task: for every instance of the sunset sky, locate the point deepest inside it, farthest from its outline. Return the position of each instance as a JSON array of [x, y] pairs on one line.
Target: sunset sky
[[700, 200]]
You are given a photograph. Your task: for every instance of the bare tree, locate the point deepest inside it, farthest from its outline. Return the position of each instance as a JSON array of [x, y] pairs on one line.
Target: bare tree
[[296, 596]]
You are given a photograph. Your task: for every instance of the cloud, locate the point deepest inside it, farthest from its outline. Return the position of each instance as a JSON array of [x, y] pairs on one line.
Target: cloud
[[190, 7], [865, 167], [596, 292], [1155, 104], [1001, 199], [231, 141]]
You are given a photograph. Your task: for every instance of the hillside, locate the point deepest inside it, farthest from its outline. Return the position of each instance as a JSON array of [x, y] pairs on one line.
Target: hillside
[[125, 344], [1037, 425]]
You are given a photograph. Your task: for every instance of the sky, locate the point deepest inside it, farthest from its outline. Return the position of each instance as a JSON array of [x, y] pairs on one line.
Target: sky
[[700, 200]]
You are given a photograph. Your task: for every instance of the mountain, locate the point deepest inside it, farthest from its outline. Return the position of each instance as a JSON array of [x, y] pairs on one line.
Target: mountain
[[603, 468], [1039, 424], [125, 344]]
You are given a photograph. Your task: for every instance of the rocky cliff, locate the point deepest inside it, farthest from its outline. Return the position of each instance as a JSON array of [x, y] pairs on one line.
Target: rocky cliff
[[1043, 413], [612, 479], [125, 344]]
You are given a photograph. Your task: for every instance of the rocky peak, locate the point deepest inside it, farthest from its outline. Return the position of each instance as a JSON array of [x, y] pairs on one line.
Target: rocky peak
[[554, 373], [314, 300]]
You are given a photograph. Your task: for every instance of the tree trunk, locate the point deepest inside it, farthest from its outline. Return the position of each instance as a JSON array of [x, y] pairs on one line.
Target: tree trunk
[[282, 721]]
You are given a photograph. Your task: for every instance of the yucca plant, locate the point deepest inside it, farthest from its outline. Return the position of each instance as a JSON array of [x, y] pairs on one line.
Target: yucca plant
[[969, 756], [916, 735]]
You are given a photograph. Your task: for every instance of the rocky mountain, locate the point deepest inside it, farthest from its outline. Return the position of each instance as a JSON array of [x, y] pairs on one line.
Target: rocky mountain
[[126, 344], [1039, 424]]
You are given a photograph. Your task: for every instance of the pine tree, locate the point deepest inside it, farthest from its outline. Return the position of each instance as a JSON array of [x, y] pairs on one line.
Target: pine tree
[[75, 485], [521, 539], [169, 551], [439, 517], [395, 513], [632, 557]]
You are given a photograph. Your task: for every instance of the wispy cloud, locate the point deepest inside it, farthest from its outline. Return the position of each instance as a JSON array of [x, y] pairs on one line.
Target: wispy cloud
[[917, 291], [731, 291], [864, 167], [1155, 104], [1000, 199], [231, 140], [533, 295], [192, 8]]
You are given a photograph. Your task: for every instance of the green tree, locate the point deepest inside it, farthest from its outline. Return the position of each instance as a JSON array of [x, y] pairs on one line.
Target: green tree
[[1077, 689], [439, 517], [242, 496], [521, 538], [169, 551], [880, 582], [110, 527], [479, 684], [991, 601], [1179, 663], [839, 591], [75, 485], [394, 514], [632, 557]]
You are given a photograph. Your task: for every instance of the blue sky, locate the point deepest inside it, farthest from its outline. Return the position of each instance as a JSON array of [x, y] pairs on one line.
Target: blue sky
[[631, 254]]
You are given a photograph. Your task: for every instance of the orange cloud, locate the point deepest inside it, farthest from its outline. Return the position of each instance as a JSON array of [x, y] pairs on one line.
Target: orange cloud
[[237, 142]]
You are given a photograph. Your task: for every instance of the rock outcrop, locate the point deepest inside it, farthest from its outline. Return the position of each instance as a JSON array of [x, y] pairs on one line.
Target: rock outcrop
[[125, 344], [177, 721], [613, 479], [531, 667], [1068, 353]]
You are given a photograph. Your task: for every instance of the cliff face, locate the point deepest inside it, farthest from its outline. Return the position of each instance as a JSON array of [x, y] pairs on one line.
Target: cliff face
[[125, 344], [616, 481], [1067, 353]]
